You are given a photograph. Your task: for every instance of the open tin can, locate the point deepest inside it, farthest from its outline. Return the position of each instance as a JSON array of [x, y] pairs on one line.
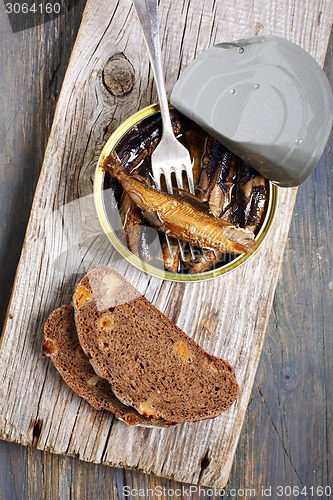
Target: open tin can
[[107, 196]]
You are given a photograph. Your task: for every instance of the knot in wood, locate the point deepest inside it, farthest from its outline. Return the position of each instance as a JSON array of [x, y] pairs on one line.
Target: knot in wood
[[118, 75], [289, 378]]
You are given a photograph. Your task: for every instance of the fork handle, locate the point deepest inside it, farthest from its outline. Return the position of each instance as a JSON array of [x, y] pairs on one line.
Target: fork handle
[[147, 11]]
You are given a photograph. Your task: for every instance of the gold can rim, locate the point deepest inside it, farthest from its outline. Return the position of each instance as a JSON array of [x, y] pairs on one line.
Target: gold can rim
[[112, 142]]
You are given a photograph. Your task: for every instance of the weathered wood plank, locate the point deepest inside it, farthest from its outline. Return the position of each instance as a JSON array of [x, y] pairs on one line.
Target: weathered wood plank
[[58, 252]]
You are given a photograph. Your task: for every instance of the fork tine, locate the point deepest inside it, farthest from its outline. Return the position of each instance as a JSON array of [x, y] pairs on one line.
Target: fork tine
[[179, 179], [168, 183], [181, 248], [169, 246], [157, 179], [190, 181]]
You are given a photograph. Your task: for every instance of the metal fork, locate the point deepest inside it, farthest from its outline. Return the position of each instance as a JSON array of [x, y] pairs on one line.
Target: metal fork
[[169, 155]]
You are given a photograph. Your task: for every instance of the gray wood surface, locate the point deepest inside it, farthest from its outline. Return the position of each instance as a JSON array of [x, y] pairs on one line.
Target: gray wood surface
[[288, 386]]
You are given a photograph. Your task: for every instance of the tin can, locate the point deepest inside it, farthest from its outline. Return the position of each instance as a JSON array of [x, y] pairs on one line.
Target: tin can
[[108, 214]]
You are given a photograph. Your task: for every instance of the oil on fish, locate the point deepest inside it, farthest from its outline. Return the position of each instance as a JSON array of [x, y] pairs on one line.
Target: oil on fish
[[180, 217]]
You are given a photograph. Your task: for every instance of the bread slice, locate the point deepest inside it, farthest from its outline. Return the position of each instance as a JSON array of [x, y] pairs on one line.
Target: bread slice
[[61, 344], [151, 364]]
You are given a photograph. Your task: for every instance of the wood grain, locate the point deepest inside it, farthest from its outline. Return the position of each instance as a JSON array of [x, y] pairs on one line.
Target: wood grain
[[86, 114]]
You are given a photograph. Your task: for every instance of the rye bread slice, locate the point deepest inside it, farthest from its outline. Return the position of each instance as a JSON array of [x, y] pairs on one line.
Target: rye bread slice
[[62, 345], [151, 364]]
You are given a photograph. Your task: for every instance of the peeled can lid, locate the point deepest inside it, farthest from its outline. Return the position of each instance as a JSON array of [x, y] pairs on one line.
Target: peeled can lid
[[264, 98]]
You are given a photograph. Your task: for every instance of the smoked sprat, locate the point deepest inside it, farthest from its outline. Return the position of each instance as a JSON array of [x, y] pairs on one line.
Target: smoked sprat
[[220, 222]]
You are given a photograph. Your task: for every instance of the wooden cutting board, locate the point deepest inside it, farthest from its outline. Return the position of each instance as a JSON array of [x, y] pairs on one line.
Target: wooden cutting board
[[227, 316]]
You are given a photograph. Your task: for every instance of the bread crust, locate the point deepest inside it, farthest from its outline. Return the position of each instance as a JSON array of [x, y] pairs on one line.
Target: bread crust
[[150, 363]]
